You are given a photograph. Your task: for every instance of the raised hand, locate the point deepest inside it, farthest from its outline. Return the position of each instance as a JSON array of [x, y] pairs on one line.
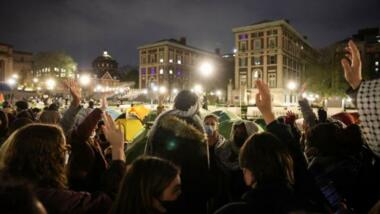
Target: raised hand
[[75, 91], [114, 136], [264, 101], [352, 65]]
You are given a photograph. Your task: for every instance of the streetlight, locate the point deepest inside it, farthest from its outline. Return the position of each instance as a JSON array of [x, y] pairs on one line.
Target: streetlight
[[84, 79], [35, 80], [292, 86], [198, 89], [11, 82], [162, 90], [206, 69], [50, 84]]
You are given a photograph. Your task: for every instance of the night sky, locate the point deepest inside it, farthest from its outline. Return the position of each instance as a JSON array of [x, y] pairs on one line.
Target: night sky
[[84, 28]]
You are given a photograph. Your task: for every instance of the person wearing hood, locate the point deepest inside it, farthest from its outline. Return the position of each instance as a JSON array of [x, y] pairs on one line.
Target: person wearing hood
[[228, 156], [178, 135]]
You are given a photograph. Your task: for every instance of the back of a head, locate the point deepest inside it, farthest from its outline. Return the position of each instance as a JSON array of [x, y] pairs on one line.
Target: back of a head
[[267, 158], [53, 107], [36, 153], [25, 114], [326, 138], [22, 105], [144, 181], [17, 196], [50, 117], [91, 104], [184, 100]]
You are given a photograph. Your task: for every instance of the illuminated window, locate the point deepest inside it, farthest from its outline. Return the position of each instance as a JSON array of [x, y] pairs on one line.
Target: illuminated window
[[257, 60], [272, 80], [161, 71]]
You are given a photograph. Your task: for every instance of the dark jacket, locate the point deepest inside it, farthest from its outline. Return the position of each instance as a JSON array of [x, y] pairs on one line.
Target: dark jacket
[[305, 186], [178, 141], [266, 199], [87, 163], [59, 201], [346, 179]]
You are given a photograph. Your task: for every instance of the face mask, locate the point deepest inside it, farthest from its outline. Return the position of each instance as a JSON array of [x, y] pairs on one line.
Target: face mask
[[209, 129]]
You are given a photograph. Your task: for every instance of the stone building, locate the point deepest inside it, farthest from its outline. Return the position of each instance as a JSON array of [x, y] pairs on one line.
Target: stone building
[[274, 52]]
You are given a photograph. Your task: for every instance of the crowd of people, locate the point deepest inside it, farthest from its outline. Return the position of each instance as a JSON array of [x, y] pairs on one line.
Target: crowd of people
[[76, 163]]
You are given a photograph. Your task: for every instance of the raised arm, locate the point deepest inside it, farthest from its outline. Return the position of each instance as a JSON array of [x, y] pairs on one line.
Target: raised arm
[[366, 96], [68, 118]]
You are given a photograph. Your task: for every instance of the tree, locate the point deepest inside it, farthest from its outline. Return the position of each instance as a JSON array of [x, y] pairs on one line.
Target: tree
[[325, 76], [129, 74], [56, 62]]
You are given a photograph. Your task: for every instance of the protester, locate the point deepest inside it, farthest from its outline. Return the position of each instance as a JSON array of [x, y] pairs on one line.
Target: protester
[[178, 135], [218, 174], [228, 156], [268, 168], [44, 166], [150, 185]]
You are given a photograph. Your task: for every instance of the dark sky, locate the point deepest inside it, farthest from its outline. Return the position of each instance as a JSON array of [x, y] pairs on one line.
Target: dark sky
[[84, 28]]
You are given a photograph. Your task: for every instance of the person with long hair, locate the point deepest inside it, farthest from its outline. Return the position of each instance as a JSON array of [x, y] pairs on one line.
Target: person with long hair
[[39, 154], [269, 164], [150, 185]]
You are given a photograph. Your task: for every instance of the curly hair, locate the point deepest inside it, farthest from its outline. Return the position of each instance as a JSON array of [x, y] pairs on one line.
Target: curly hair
[[36, 153]]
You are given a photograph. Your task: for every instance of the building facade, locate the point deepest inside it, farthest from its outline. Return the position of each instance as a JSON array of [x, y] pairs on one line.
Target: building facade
[[274, 52], [368, 41], [13, 62], [174, 64], [105, 71], [105, 65]]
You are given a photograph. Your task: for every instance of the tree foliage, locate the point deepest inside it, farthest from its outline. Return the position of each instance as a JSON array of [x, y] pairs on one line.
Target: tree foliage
[[325, 75], [54, 60]]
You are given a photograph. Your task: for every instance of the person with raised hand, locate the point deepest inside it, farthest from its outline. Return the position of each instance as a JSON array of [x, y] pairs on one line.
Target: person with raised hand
[[352, 65], [68, 119], [114, 136], [269, 163], [45, 167], [366, 97], [304, 185]]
